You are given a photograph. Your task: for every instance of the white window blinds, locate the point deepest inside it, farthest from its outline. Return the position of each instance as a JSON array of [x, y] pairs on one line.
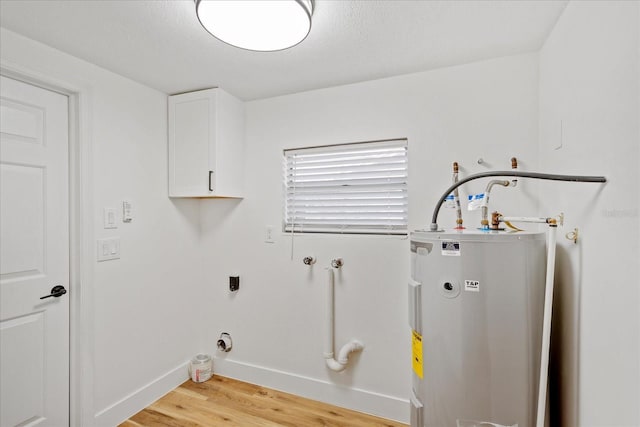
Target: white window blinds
[[350, 188]]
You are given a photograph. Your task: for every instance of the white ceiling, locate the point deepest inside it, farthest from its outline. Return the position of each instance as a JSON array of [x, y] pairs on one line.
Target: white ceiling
[[160, 43]]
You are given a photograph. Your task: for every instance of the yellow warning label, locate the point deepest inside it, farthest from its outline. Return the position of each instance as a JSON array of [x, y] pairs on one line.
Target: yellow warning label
[[416, 353]]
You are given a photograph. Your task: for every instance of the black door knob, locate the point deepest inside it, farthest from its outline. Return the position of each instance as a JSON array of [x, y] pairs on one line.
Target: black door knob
[[56, 292]]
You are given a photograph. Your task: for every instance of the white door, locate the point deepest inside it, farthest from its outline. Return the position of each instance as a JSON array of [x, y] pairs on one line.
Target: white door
[[34, 256]]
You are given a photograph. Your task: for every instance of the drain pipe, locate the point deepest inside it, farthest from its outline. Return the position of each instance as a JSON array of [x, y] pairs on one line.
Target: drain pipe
[[353, 345], [546, 326], [547, 313]]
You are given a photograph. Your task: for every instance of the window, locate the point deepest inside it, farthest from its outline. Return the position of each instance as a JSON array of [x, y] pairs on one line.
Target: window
[[349, 188]]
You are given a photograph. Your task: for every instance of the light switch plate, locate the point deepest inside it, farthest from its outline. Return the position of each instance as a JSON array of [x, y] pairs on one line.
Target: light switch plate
[[110, 218], [108, 249]]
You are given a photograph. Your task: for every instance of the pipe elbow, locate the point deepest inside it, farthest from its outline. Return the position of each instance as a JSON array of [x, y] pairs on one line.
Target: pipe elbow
[[334, 365], [343, 356], [502, 182], [347, 349]]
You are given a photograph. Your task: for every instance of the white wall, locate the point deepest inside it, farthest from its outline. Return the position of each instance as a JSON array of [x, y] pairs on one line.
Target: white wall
[[146, 319], [153, 308], [486, 109], [589, 76]]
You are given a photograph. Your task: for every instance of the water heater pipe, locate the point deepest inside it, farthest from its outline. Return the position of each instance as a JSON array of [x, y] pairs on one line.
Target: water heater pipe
[[485, 201], [514, 166], [456, 199], [484, 222], [546, 325], [523, 174], [348, 348], [536, 219]]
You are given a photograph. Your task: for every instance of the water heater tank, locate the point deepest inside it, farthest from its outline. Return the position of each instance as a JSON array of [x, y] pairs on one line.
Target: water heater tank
[[475, 309]]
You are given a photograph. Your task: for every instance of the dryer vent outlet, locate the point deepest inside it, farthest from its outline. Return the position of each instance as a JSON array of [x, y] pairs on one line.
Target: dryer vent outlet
[[224, 342]]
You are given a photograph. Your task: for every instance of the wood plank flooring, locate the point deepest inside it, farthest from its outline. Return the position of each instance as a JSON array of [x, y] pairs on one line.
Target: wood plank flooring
[[226, 402]]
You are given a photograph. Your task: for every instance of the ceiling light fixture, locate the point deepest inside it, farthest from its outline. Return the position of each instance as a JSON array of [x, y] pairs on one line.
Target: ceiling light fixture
[[262, 25]]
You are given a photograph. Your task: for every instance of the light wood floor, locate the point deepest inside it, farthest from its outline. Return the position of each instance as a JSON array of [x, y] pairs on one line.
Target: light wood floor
[[225, 402]]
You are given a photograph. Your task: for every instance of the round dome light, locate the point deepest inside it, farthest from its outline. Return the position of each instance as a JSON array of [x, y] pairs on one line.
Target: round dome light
[[262, 25]]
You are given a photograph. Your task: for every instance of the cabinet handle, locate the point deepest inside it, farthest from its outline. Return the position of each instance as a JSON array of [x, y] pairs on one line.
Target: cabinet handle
[[210, 174]]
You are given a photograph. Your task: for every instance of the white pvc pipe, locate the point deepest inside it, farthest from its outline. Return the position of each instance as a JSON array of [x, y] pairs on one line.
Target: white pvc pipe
[[329, 313], [546, 327], [347, 349], [353, 345], [534, 219]]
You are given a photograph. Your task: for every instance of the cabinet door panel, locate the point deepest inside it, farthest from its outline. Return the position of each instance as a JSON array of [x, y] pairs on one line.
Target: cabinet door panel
[[191, 134], [206, 144]]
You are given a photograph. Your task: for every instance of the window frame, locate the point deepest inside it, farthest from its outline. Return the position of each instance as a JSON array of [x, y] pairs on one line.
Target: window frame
[[397, 206]]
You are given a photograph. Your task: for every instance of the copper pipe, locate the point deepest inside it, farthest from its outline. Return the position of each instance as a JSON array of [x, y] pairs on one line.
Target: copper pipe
[[495, 222], [514, 166]]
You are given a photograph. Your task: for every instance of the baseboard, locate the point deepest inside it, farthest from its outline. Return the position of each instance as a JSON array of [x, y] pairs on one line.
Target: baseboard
[[390, 407], [141, 398], [381, 405]]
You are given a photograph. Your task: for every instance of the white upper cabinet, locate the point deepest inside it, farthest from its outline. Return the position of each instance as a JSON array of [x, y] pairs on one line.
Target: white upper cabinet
[[206, 144]]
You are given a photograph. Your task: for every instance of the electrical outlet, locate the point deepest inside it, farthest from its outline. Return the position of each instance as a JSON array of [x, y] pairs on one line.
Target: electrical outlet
[[268, 235]]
